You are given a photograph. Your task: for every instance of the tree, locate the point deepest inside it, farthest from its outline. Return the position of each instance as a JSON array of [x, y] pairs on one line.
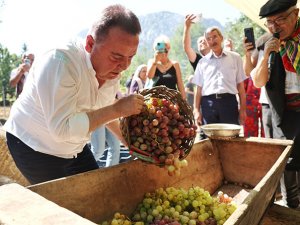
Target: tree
[[235, 31], [7, 63]]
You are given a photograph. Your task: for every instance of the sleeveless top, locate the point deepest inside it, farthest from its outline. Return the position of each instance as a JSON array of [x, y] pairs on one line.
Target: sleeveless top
[[168, 79]]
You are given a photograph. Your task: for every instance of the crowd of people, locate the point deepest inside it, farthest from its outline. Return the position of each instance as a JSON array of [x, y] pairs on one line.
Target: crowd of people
[[53, 135]]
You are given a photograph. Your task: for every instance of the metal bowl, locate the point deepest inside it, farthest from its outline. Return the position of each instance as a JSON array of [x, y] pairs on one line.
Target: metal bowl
[[221, 130]]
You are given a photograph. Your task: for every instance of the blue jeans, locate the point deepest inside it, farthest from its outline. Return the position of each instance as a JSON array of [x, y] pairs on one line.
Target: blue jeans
[[38, 167], [99, 137]]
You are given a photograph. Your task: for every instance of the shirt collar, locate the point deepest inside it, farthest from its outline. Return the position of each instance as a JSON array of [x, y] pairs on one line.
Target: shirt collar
[[211, 54]]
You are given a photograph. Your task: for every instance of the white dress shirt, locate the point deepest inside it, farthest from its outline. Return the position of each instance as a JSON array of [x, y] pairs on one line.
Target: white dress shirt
[[219, 74], [50, 115]]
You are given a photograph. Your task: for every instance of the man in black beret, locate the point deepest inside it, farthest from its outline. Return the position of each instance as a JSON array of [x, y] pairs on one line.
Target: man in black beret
[[279, 72]]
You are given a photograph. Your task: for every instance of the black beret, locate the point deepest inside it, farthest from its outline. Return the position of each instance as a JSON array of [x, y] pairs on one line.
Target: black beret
[[273, 7]]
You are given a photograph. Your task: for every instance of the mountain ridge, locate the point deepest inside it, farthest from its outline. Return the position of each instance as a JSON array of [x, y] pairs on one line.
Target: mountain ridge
[[163, 22]]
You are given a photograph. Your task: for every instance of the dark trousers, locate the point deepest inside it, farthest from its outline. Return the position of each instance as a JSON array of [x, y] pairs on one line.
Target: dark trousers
[[221, 108], [289, 182], [269, 125], [38, 167]]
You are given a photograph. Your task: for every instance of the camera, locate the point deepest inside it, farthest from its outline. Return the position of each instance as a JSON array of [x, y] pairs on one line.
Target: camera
[[161, 47], [27, 62]]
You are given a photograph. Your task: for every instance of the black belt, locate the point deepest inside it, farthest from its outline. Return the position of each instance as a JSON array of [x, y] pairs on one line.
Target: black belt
[[219, 96]]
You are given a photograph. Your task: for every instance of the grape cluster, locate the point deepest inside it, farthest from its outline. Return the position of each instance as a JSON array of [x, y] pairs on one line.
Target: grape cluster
[[160, 132], [174, 206]]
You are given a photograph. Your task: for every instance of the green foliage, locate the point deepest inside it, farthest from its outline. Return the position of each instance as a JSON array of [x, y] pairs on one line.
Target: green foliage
[[235, 31], [7, 63]]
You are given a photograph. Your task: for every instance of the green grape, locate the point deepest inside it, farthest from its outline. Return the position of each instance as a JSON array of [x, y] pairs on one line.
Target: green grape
[[155, 212], [192, 222], [178, 208]]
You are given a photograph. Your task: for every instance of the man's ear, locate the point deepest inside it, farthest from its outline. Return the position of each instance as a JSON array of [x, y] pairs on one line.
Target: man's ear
[[89, 43], [297, 11]]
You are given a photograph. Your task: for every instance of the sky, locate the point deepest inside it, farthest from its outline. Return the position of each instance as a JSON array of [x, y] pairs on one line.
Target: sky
[[42, 24]]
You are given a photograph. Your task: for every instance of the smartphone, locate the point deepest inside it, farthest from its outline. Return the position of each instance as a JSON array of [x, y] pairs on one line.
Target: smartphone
[[249, 34], [160, 47], [197, 18], [27, 62]]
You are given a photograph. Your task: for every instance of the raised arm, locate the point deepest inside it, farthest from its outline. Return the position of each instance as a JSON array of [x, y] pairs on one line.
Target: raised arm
[[261, 75], [186, 40]]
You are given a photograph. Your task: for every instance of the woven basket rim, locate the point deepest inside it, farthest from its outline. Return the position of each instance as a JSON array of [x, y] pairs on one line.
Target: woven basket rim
[[184, 108]]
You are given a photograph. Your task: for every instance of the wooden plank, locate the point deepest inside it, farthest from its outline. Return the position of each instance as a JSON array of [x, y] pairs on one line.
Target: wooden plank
[[250, 157], [254, 206], [18, 205], [279, 215]]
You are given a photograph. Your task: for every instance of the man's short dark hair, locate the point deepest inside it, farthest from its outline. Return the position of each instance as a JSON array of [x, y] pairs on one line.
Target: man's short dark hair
[[115, 16]]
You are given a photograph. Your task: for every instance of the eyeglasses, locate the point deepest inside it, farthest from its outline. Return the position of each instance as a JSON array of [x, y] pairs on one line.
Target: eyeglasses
[[279, 21]]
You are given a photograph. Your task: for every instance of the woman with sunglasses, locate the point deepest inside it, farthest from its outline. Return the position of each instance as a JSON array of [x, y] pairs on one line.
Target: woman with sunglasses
[[162, 70]]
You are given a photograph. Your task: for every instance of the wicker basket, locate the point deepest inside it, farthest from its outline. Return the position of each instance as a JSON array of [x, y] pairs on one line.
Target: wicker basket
[[185, 111]]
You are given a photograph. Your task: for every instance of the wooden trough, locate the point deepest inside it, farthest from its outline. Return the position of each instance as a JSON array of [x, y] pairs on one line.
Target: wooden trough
[[251, 166]]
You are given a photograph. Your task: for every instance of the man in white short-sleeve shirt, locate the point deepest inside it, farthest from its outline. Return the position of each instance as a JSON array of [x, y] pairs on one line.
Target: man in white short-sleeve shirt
[[219, 77]]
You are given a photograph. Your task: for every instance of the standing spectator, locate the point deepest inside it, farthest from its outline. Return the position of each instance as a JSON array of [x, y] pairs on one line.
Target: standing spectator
[[219, 76], [192, 55], [228, 45], [128, 83], [139, 79], [189, 89], [70, 93], [282, 81], [252, 57], [19, 74], [203, 48], [163, 70], [253, 121], [101, 138]]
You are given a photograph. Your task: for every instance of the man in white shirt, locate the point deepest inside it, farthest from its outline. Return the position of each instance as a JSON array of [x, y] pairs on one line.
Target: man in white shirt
[[219, 77], [70, 92]]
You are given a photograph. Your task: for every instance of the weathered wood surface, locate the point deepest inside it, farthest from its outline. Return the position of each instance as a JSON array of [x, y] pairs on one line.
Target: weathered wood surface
[[239, 158], [279, 215], [252, 209], [97, 194], [18, 205]]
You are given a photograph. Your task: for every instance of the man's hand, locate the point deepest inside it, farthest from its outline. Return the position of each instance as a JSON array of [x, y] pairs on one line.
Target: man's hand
[[198, 118], [189, 20], [271, 45], [129, 105], [242, 116], [24, 67]]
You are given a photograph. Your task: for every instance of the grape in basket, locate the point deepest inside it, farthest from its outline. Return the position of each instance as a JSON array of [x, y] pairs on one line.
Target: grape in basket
[[164, 132]]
